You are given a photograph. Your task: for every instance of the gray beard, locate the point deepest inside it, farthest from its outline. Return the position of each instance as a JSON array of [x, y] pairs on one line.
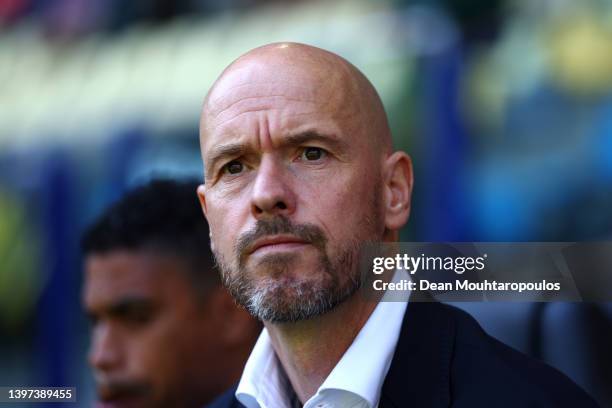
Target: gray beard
[[277, 298]]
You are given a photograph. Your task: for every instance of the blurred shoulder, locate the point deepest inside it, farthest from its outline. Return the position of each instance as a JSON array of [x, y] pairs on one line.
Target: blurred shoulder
[[485, 367], [226, 400]]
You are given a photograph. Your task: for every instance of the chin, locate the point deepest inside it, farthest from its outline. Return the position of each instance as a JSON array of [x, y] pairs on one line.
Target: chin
[[123, 403], [292, 298], [291, 267]]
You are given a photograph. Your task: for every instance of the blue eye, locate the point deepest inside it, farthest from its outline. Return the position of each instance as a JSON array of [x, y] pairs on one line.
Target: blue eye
[[313, 153], [233, 167]]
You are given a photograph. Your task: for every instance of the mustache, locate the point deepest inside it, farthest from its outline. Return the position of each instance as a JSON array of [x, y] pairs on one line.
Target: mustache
[[111, 389], [309, 233]]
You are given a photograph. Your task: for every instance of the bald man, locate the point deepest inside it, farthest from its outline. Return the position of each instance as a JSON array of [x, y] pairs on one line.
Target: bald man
[[299, 173]]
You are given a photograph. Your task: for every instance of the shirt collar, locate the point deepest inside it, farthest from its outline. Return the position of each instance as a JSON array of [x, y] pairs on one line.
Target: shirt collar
[[361, 370], [363, 367], [263, 382]]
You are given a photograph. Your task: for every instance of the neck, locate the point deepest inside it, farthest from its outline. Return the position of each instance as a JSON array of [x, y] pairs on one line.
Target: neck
[[309, 350]]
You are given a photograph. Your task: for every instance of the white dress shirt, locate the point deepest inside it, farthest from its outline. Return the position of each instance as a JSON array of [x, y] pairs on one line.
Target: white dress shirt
[[356, 380]]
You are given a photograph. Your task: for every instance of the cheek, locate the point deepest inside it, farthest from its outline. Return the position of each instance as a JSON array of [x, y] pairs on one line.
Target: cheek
[[226, 220], [144, 354], [341, 205], [157, 355], [149, 346], [152, 344]]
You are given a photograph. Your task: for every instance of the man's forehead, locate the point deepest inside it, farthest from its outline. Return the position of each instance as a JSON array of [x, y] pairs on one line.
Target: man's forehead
[[256, 82], [117, 272], [123, 273], [294, 97]]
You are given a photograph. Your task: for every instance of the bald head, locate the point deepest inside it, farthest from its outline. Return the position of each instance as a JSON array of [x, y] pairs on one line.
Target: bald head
[[317, 76]]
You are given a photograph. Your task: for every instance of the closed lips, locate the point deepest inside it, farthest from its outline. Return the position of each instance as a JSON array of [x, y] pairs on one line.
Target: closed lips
[[278, 240]]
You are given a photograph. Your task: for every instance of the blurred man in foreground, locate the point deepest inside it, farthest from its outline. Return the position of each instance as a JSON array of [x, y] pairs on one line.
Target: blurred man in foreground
[[165, 332], [299, 173]]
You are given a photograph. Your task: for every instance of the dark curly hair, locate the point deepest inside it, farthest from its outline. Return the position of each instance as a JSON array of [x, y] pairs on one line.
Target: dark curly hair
[[163, 216]]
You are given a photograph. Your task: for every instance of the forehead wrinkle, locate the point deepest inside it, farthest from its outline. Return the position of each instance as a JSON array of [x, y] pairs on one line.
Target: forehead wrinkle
[[260, 106], [218, 103], [236, 116], [233, 81], [217, 106]]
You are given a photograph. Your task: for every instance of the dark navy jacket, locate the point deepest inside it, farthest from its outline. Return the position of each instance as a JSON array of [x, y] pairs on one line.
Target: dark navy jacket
[[444, 359]]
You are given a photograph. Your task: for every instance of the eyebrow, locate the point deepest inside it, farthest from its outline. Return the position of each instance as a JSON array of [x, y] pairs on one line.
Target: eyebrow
[[123, 307], [130, 303], [314, 136], [237, 149], [224, 151]]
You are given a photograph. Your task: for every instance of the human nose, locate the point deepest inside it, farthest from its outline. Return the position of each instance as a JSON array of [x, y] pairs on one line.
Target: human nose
[[272, 194], [104, 353]]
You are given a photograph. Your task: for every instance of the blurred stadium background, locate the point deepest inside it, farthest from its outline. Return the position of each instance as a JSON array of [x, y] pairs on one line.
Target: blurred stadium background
[[504, 105]]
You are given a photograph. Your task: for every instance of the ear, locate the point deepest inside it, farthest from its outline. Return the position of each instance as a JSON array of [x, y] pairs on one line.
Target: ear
[[201, 191], [398, 189]]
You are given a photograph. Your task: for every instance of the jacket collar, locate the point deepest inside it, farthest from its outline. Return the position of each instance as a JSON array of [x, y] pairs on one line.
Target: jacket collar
[[420, 370]]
